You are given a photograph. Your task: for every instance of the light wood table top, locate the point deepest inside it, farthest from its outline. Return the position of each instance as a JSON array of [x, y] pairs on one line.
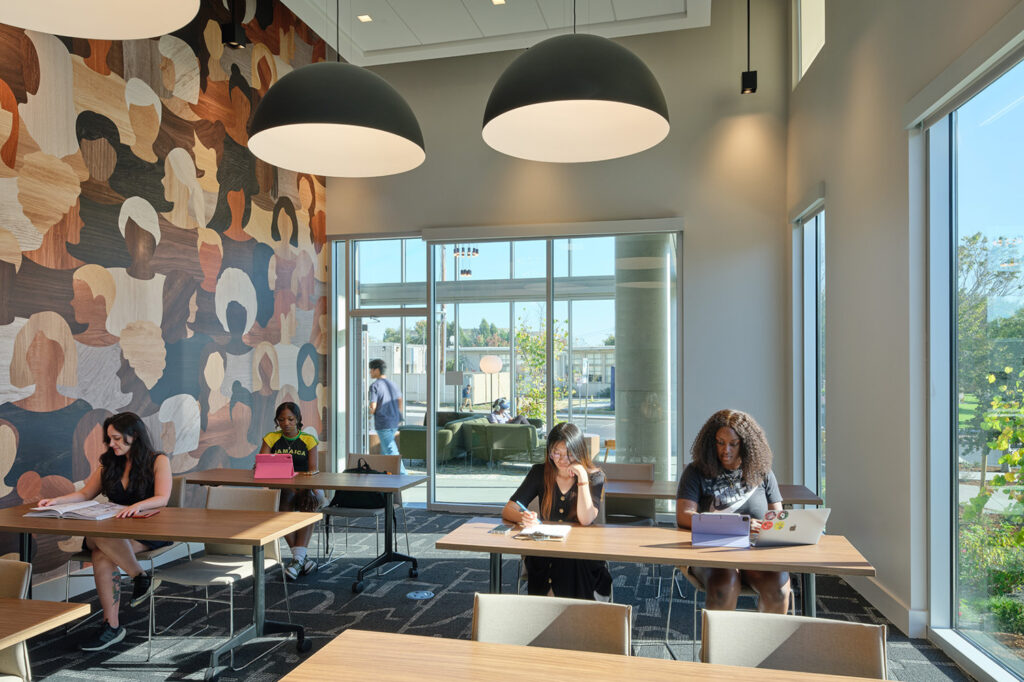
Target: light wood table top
[[25, 618], [414, 658], [385, 483], [833, 555], [666, 490], [252, 528]]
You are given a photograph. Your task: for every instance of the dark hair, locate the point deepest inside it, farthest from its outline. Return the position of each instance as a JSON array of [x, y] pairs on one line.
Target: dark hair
[[755, 454], [291, 407], [570, 434], [379, 365], [497, 404], [143, 456]]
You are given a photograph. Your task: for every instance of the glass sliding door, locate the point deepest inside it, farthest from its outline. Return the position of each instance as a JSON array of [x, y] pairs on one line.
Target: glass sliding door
[[592, 339]]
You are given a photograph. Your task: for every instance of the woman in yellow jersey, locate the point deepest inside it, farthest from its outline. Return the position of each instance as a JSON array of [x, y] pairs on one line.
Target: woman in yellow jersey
[[289, 438]]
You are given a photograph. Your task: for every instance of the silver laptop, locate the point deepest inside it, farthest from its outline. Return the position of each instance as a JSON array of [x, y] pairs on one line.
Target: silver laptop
[[791, 527]]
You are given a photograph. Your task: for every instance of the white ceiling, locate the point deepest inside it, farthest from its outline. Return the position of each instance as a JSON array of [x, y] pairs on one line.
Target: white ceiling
[[410, 30]]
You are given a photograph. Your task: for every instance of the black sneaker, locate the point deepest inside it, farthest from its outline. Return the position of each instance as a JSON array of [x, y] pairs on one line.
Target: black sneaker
[[308, 566], [107, 637], [142, 586]]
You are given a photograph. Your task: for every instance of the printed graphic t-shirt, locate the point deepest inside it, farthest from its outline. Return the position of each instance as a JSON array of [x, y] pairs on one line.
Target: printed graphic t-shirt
[[300, 447], [726, 492]]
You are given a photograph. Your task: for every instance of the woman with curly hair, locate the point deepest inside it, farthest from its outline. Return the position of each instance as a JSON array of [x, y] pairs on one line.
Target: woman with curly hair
[[731, 471]]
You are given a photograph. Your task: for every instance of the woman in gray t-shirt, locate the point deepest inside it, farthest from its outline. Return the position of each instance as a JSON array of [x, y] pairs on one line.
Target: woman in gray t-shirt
[[731, 471]]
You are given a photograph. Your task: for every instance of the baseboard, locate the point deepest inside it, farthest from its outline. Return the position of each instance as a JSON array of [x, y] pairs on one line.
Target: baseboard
[[911, 622], [53, 589]]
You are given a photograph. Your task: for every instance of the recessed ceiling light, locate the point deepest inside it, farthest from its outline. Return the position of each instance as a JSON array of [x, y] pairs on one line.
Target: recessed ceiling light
[[497, 2], [365, 18]]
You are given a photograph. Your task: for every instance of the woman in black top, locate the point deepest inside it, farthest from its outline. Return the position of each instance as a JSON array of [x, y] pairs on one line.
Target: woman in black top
[[131, 473], [569, 486], [732, 472]]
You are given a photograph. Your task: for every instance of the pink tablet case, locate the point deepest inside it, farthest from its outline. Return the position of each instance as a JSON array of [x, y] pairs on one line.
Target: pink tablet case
[[274, 466]]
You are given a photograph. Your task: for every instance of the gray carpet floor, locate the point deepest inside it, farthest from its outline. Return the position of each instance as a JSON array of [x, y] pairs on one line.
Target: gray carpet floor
[[325, 605]]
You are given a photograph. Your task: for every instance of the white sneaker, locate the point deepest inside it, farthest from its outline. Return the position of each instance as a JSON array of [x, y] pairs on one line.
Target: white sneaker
[[293, 569]]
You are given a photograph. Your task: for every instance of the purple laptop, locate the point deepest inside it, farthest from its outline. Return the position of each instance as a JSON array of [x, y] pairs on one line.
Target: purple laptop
[[720, 530]]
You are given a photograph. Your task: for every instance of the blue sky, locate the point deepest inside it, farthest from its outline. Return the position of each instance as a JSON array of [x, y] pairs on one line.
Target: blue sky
[[990, 173]]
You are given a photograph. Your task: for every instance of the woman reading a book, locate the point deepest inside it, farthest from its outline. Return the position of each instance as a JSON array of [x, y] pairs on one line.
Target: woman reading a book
[[568, 486], [731, 471], [290, 439], [131, 473]]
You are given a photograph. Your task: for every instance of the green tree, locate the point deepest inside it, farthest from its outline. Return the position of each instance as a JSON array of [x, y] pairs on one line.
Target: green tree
[[977, 280], [610, 341], [531, 377]]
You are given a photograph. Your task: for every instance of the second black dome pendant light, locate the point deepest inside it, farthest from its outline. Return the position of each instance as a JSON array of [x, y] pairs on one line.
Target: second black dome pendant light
[[338, 120], [575, 98]]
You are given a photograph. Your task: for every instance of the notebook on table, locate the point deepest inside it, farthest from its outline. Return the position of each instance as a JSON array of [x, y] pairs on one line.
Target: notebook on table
[[88, 510], [271, 465], [544, 531], [718, 529], [792, 527]]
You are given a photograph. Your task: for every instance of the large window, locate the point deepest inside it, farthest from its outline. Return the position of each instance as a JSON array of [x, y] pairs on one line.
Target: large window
[[976, 177], [810, 239]]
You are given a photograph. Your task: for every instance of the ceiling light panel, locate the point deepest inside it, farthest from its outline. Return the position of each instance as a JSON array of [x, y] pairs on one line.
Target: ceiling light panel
[[386, 31], [521, 16]]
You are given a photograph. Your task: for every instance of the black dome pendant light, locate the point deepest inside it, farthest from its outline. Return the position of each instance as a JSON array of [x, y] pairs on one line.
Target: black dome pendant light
[[575, 98], [336, 119]]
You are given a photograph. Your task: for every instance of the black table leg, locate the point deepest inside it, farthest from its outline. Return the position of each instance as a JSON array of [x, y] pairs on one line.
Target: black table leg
[[260, 625], [389, 555], [494, 586], [810, 606]]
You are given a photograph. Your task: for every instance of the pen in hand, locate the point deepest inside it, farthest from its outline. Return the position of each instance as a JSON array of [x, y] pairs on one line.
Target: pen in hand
[[528, 517]]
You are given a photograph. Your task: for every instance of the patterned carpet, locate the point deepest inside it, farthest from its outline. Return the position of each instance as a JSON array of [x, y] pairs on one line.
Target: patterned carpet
[[324, 603]]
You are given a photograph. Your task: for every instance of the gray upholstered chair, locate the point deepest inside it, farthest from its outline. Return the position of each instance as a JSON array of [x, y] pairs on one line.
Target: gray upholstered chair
[[223, 565], [698, 588], [552, 622], [794, 643], [15, 578]]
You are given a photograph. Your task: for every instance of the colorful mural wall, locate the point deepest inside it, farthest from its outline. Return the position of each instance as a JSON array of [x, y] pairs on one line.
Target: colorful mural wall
[[148, 262]]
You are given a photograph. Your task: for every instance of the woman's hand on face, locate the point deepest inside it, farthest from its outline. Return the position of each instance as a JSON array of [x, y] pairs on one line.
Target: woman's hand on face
[[580, 473], [128, 512], [528, 519]]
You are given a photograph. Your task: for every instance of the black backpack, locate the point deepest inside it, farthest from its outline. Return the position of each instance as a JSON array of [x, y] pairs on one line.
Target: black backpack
[[359, 499]]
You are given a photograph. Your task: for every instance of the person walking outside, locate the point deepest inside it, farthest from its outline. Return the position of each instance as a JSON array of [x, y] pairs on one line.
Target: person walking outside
[[386, 407]]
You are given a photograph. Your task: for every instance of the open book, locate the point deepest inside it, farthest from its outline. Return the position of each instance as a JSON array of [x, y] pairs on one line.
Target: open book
[[544, 531], [89, 510]]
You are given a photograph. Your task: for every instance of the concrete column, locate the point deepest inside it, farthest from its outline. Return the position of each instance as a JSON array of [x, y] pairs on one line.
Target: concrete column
[[643, 320]]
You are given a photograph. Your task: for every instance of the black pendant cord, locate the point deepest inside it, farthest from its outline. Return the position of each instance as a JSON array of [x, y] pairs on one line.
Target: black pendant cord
[[748, 35], [337, 31], [574, 16]]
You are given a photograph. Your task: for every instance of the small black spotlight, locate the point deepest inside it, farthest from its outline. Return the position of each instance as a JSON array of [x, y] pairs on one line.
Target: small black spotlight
[[748, 82], [232, 33]]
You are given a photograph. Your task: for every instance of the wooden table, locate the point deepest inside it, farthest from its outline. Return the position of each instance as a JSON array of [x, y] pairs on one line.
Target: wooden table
[[384, 483], [666, 490], [412, 658], [254, 528], [25, 618], [833, 555]]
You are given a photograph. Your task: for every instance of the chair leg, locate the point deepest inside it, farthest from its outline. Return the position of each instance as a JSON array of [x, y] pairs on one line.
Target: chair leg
[[287, 600], [668, 617]]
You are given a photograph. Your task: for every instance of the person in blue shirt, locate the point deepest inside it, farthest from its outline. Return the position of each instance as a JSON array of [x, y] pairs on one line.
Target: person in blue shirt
[[386, 406]]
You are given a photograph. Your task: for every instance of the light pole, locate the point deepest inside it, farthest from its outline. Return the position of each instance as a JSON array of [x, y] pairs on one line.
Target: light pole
[[490, 364]]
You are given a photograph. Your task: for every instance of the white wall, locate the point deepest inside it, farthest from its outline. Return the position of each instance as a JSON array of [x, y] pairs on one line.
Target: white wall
[[722, 169], [846, 129]]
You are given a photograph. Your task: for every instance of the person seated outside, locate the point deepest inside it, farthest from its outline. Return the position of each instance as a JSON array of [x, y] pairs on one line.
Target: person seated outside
[[731, 471], [500, 414]]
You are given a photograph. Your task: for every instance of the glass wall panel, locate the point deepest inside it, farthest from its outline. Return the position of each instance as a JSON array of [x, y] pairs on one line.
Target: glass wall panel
[[986, 146], [388, 273]]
